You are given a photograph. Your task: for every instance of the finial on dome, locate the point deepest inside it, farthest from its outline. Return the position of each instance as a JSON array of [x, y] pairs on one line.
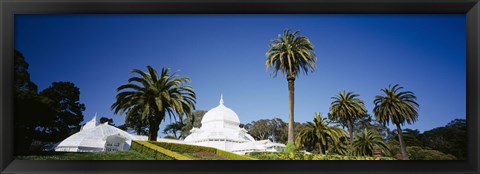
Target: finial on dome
[[221, 99], [94, 117]]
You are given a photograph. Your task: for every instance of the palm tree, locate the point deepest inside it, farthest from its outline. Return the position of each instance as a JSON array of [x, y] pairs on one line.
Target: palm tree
[[366, 141], [346, 109], [155, 96], [340, 147], [291, 54], [398, 107], [319, 133]]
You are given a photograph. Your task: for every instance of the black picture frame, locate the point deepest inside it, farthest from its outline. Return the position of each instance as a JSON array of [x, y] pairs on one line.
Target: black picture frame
[[9, 8]]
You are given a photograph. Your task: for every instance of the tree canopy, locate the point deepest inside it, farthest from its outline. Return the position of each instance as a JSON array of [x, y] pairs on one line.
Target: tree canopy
[[49, 116], [152, 96]]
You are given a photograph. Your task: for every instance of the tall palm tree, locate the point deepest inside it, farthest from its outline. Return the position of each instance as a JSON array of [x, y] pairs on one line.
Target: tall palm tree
[[398, 107], [291, 54], [366, 141], [346, 108], [155, 96], [320, 133]]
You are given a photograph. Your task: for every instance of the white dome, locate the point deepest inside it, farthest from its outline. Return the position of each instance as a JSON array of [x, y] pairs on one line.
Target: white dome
[[92, 139], [221, 114], [220, 129]]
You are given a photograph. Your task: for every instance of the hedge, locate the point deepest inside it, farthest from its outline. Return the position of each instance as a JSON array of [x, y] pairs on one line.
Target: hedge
[[233, 156], [303, 156], [157, 152], [419, 153], [185, 148]]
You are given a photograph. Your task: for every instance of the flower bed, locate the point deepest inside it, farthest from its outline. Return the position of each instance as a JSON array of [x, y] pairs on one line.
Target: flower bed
[[174, 151], [302, 156], [185, 148]]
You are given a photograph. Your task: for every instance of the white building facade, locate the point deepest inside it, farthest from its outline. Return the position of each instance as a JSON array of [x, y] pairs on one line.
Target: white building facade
[[94, 137], [220, 129]]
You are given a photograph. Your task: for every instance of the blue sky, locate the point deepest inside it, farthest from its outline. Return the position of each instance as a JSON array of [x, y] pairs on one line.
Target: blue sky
[[225, 54]]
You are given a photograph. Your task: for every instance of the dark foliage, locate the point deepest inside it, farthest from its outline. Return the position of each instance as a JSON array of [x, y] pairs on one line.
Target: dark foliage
[[274, 129], [52, 115], [105, 119], [66, 103], [451, 139]]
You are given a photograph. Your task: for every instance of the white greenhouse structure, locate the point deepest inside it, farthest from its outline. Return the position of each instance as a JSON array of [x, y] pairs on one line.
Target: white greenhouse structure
[[95, 137], [220, 129]]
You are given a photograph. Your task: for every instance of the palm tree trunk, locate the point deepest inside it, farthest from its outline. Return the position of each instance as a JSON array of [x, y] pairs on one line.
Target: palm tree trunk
[[350, 130], [320, 149], [291, 89], [153, 129], [175, 134], [402, 144]]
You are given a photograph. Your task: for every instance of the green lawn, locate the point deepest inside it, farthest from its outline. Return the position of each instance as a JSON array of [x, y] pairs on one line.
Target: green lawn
[[205, 156], [121, 155]]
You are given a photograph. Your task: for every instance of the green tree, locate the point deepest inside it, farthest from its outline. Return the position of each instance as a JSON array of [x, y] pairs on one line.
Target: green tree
[[66, 103], [412, 137], [25, 97], [135, 122], [451, 139], [319, 133], [52, 115], [273, 129], [366, 141], [155, 96], [21, 75], [340, 147], [397, 107], [174, 128], [259, 129], [191, 122], [419, 153], [346, 108], [105, 119], [368, 122], [291, 54], [31, 110]]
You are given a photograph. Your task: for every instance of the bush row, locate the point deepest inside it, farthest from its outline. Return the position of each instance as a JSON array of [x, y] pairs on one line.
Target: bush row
[[233, 156], [419, 153], [302, 156], [156, 152], [185, 148]]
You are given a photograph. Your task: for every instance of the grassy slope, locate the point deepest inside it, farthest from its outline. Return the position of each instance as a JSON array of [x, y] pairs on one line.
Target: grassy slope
[[121, 155]]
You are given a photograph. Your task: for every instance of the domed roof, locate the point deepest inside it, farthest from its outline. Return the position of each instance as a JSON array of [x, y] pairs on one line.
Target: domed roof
[[221, 113], [91, 138]]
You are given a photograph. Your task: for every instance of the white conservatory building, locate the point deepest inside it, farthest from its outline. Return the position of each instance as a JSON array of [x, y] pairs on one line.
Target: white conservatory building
[[94, 137], [220, 129]]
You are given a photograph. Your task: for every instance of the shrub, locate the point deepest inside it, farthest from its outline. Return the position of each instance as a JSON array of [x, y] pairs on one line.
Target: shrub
[[207, 156], [156, 151], [263, 155], [183, 148], [301, 156], [290, 148], [418, 153], [233, 156]]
